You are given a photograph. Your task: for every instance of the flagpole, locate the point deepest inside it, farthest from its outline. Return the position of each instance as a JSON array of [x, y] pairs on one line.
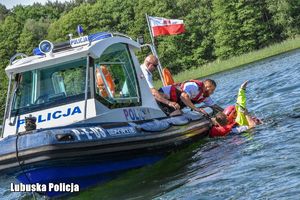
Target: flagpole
[[154, 50]]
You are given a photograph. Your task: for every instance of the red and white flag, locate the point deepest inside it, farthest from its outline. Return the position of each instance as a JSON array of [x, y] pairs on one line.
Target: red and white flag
[[163, 26]]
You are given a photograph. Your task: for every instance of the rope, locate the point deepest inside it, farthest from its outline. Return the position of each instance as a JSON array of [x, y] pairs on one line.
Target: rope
[[23, 171]]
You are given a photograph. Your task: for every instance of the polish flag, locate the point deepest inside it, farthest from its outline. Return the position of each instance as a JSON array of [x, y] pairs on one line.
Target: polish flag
[[163, 26]]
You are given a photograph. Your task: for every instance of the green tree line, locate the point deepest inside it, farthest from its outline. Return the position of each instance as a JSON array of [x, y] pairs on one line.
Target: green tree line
[[215, 29]]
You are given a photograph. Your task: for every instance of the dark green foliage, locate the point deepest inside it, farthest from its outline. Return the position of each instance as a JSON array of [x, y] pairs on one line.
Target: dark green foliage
[[73, 80], [285, 16], [3, 85], [106, 15], [33, 32], [3, 12], [240, 26], [10, 31], [215, 29]]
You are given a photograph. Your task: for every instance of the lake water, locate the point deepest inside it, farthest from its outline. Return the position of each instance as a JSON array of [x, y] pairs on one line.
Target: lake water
[[263, 163]]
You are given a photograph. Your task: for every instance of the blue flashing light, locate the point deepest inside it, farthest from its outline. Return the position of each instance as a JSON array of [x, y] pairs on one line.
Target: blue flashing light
[[46, 46], [37, 52], [79, 30]]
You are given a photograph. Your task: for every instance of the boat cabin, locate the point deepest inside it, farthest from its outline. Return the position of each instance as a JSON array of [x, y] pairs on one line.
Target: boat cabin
[[92, 79]]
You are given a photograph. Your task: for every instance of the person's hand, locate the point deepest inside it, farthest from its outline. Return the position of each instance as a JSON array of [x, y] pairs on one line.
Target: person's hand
[[214, 122], [244, 85], [174, 105], [256, 120], [202, 111]]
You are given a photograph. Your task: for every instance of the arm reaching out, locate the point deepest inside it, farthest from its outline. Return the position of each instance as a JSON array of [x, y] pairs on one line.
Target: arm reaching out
[[216, 108], [187, 101], [159, 97]]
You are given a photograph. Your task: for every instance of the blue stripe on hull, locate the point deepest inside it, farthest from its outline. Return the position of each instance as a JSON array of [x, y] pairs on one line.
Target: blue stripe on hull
[[85, 175]]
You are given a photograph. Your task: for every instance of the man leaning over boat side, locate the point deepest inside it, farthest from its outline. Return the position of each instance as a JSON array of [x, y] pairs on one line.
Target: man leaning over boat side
[[192, 92], [149, 65]]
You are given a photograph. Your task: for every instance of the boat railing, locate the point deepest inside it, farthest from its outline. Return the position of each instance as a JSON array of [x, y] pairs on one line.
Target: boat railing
[[121, 34], [13, 58]]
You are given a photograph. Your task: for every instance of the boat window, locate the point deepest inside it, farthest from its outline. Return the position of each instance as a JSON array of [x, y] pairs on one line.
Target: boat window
[[53, 86], [116, 83]]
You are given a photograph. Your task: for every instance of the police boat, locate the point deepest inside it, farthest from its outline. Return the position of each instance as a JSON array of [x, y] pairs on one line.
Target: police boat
[[81, 112]]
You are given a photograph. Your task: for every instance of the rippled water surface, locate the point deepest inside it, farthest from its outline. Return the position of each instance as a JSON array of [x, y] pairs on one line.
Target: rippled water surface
[[261, 164]]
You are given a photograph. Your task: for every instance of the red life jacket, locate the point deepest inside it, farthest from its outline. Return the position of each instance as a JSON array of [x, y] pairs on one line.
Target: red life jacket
[[201, 95], [198, 99], [173, 93], [218, 131]]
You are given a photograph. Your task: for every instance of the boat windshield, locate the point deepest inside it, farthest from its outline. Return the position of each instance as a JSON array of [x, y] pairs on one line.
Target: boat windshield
[[53, 86], [116, 82]]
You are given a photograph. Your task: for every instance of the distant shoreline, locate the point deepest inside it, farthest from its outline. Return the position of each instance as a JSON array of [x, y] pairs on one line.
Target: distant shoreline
[[218, 66]]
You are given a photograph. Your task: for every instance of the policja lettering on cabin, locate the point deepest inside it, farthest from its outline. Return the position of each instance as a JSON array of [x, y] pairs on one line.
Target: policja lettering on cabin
[[136, 114], [53, 115]]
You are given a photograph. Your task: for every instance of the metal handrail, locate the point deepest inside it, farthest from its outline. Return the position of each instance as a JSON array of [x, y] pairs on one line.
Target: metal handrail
[[12, 59], [121, 34]]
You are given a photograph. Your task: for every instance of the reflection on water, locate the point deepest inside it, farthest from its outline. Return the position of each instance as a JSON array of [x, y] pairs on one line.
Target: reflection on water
[[260, 164]]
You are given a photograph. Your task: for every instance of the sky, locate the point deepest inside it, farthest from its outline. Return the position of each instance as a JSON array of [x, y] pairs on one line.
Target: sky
[[11, 3]]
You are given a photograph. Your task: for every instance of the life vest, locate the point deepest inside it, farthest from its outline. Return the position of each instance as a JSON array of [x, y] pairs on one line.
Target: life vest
[[201, 95], [175, 93], [100, 82], [179, 86], [168, 79], [219, 131]]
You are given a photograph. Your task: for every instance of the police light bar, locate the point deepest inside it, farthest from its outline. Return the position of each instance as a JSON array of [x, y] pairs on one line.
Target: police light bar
[[85, 40]]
